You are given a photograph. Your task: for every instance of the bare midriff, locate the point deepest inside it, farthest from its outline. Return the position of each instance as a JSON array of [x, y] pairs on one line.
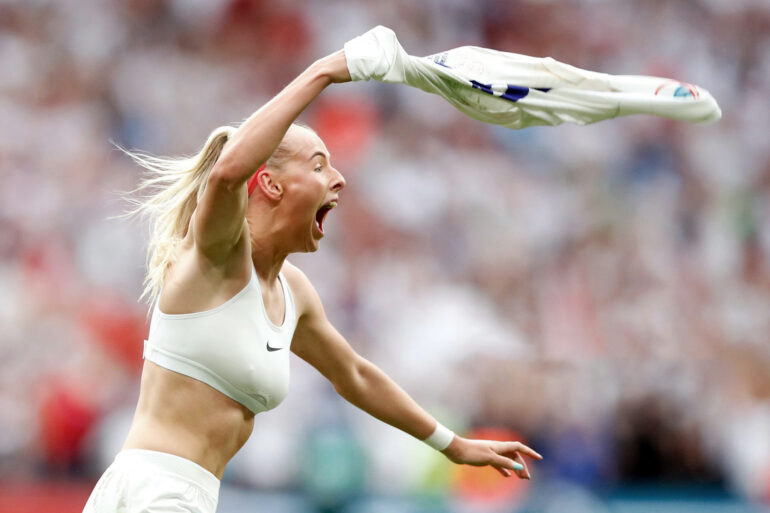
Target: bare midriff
[[179, 415]]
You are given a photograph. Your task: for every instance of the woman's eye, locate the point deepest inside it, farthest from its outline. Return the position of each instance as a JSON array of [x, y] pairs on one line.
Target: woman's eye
[[317, 169]]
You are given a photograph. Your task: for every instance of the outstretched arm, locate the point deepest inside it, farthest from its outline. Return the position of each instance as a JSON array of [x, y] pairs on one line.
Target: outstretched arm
[[364, 385]]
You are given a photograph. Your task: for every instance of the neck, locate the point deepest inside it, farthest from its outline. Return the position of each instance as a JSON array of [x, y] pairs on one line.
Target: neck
[[267, 260], [267, 251]]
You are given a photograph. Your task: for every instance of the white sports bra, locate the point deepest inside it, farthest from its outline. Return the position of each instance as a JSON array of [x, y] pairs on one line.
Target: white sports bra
[[234, 347]]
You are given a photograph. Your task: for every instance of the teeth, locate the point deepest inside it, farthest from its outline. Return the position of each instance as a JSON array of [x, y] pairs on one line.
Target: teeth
[[332, 204]]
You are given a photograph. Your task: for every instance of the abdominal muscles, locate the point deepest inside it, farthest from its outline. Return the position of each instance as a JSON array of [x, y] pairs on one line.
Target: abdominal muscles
[[179, 415]]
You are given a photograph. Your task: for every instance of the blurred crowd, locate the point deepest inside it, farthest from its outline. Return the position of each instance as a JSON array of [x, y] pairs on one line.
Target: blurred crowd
[[600, 292]]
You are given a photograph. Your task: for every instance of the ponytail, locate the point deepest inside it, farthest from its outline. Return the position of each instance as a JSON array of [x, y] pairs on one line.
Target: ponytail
[[173, 186]]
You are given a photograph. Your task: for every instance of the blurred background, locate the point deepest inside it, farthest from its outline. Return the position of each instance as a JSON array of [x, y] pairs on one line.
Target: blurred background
[[601, 293]]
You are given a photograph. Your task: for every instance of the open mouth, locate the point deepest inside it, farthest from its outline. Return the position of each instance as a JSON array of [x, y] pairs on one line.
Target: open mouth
[[321, 214]]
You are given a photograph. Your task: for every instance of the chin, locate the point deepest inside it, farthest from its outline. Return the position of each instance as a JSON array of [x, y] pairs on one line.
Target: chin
[[311, 246]]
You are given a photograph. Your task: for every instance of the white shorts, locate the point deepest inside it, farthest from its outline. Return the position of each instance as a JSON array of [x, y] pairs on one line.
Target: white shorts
[[154, 482]]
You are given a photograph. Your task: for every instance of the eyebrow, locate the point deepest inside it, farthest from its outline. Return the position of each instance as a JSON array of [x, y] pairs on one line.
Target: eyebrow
[[318, 154]]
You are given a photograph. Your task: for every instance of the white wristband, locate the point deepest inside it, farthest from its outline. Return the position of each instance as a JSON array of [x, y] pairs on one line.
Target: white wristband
[[441, 438]]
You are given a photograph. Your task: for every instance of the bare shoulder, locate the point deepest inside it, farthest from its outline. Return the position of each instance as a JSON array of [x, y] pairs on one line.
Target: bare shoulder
[[297, 279], [305, 296]]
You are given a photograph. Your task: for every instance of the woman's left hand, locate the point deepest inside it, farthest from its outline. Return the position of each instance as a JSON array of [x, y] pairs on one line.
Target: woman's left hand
[[500, 455]]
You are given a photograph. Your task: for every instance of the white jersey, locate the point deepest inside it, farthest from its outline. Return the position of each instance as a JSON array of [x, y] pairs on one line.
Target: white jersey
[[234, 347], [518, 91]]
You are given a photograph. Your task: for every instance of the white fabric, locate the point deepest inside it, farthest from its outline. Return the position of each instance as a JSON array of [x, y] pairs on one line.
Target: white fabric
[[153, 482], [441, 437], [518, 91], [234, 347]]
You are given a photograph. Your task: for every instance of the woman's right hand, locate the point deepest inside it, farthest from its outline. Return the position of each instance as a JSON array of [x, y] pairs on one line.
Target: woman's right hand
[[335, 66]]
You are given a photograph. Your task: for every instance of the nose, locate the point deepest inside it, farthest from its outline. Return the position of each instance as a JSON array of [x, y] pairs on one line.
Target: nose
[[339, 181]]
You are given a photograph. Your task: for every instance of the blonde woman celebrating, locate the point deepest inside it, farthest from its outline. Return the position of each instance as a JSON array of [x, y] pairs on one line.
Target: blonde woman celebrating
[[229, 308]]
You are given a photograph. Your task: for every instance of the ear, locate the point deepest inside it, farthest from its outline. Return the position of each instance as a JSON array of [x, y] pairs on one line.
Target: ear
[[269, 186]]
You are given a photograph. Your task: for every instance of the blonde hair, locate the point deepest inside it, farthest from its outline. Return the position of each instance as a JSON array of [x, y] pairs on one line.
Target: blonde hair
[[173, 187]]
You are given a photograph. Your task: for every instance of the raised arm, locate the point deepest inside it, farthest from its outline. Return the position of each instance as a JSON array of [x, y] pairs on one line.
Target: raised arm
[[220, 214], [366, 386]]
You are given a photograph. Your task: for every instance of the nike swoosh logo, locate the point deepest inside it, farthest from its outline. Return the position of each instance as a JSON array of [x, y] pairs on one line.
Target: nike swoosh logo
[[272, 348]]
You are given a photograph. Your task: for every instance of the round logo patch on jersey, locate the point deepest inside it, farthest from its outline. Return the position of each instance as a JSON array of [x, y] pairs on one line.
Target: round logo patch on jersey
[[677, 90]]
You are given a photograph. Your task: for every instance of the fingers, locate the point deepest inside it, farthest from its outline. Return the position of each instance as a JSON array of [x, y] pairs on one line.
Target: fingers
[[523, 472], [506, 457], [515, 461], [517, 447], [501, 462], [505, 466]]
